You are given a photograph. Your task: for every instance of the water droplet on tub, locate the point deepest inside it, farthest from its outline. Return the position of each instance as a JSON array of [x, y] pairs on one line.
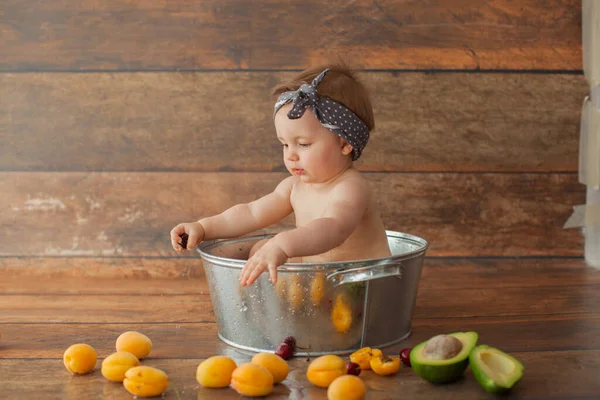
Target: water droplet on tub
[[244, 307]]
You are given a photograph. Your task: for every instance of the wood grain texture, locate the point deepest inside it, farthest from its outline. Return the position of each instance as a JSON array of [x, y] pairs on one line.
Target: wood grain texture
[[516, 334], [559, 343], [131, 214], [106, 308], [142, 308], [222, 121], [170, 276], [233, 34], [575, 379]]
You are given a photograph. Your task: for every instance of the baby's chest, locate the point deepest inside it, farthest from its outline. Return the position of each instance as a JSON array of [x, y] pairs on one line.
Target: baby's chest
[[308, 207]]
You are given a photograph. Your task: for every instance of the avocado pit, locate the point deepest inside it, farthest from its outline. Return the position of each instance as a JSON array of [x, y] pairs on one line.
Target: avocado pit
[[442, 347]]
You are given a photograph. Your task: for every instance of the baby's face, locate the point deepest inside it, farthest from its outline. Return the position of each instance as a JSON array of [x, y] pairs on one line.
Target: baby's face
[[310, 151]]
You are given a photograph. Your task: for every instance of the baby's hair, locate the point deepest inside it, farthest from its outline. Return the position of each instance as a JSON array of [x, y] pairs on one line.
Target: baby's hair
[[340, 84]]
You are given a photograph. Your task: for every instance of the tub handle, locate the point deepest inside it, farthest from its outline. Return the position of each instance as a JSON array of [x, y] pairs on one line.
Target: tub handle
[[382, 269]]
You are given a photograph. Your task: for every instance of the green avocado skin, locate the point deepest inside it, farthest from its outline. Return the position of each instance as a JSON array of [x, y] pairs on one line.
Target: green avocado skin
[[433, 374], [440, 374], [488, 384]]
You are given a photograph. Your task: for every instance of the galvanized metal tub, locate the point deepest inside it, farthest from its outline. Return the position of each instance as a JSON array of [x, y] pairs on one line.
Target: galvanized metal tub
[[330, 308]]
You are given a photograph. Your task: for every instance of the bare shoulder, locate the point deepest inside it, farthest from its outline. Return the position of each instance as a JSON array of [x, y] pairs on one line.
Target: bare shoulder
[[353, 182], [287, 185]]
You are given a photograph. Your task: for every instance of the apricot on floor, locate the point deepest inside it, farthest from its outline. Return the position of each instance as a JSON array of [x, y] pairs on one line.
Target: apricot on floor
[[384, 365], [276, 365], [346, 387], [363, 356], [252, 380], [323, 370], [117, 364], [135, 343], [215, 372], [145, 381], [80, 358]]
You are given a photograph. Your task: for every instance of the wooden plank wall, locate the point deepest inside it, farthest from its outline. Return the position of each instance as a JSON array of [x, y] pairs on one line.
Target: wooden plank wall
[[119, 119]]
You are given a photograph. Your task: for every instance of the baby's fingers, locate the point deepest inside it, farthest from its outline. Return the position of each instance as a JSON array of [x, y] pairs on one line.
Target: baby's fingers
[[176, 237], [244, 274], [273, 273], [255, 273]]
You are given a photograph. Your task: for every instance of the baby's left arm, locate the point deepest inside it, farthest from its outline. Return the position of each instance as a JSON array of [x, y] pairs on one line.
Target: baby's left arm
[[342, 216]]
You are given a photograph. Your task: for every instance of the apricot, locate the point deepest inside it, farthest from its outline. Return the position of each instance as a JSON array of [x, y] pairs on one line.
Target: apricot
[[215, 371], [384, 365], [116, 365], [80, 358], [275, 364], [252, 380], [295, 292], [317, 288], [135, 343], [281, 286], [363, 356], [323, 370], [346, 387], [145, 381], [341, 315]]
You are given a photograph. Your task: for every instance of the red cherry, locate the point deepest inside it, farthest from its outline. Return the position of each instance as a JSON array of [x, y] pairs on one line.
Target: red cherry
[[353, 369], [284, 351], [290, 341], [405, 356], [184, 239]]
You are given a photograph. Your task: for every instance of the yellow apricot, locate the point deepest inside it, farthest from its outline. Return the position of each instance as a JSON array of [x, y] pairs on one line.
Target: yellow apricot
[[276, 365], [323, 370], [346, 387], [145, 381], [80, 358], [384, 365], [115, 365], [135, 343], [295, 292], [317, 288], [215, 371], [281, 286], [252, 380], [341, 315], [363, 356]]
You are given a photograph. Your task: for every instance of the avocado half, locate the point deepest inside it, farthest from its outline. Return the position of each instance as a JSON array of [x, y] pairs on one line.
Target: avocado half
[[495, 370], [444, 371]]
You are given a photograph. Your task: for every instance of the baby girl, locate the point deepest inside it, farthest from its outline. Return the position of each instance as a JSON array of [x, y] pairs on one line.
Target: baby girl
[[337, 217]]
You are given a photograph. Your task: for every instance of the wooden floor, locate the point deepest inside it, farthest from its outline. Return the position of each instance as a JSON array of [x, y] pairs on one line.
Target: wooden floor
[[545, 311]]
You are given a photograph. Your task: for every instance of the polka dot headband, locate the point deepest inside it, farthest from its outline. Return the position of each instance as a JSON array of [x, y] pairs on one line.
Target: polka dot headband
[[332, 115]]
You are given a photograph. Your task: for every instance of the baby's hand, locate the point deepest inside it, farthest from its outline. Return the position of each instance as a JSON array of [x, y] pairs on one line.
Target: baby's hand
[[195, 233], [269, 256]]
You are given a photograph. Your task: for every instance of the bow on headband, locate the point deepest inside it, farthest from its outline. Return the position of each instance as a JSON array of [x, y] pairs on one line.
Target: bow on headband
[[332, 115]]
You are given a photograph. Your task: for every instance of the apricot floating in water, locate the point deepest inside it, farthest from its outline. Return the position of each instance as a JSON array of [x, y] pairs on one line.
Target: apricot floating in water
[[341, 315], [346, 387], [323, 370], [135, 343], [317, 288], [252, 380], [275, 364], [215, 372], [80, 358], [145, 381], [117, 364]]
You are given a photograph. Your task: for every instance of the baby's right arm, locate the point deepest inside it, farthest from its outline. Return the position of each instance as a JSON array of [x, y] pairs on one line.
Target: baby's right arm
[[239, 219]]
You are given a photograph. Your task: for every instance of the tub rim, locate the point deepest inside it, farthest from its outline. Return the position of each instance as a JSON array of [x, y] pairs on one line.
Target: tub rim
[[227, 262]]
